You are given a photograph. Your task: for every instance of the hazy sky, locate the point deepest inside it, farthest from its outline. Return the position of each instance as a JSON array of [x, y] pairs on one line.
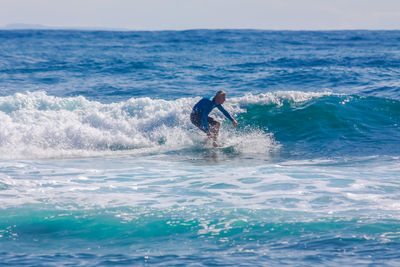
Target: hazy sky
[[193, 14]]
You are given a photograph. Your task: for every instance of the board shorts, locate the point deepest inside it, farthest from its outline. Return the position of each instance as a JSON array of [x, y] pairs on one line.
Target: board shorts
[[195, 118]]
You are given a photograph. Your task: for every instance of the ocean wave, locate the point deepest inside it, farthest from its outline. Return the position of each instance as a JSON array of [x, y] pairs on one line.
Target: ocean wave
[[36, 125], [331, 125], [140, 235], [239, 225]]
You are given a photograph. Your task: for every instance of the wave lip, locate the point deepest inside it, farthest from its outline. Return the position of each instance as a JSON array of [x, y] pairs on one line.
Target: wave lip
[[277, 98]]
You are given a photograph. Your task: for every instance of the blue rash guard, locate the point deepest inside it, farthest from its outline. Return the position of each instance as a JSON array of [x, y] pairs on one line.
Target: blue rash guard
[[204, 107]]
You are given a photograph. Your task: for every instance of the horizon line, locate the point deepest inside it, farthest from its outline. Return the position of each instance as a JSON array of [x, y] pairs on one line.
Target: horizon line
[[26, 26]]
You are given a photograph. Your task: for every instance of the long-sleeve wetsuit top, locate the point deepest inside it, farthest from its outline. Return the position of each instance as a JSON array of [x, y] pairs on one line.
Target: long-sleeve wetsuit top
[[204, 107]]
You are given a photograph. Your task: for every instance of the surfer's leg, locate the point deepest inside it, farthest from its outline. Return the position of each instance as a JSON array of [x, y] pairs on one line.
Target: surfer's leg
[[214, 129]]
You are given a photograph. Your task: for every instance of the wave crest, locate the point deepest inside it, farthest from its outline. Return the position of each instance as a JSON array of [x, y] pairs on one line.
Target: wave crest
[[36, 125]]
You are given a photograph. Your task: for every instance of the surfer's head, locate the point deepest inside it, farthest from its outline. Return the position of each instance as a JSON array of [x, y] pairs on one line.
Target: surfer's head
[[220, 97]]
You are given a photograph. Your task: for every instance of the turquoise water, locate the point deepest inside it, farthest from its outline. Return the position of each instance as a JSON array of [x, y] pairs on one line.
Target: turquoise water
[[100, 165]]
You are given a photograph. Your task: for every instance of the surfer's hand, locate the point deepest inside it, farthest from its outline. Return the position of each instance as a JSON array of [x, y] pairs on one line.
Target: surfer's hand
[[234, 122]]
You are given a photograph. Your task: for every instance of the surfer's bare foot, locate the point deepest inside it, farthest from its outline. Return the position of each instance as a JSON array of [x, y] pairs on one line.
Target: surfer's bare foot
[[215, 144]]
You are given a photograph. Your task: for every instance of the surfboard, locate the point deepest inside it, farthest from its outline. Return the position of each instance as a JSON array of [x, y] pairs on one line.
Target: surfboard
[[226, 148]]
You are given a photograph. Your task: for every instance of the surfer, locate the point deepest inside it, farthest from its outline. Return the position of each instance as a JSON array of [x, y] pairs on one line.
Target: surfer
[[207, 124]]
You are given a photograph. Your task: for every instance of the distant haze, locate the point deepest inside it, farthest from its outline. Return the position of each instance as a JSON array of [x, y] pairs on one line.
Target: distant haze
[[194, 14]]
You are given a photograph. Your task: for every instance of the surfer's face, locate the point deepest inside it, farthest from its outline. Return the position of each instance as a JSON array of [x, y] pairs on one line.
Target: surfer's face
[[220, 99]]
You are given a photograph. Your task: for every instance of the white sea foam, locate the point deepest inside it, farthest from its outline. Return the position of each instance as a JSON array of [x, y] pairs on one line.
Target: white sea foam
[[36, 125], [123, 181]]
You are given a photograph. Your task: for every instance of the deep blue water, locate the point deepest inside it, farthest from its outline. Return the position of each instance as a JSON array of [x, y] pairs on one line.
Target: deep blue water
[[114, 66], [100, 165]]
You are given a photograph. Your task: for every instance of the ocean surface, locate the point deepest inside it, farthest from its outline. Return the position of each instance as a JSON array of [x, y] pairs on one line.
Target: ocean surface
[[100, 165]]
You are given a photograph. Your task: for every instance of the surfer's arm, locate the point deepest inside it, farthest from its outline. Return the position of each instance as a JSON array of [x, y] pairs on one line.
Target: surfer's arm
[[227, 115]]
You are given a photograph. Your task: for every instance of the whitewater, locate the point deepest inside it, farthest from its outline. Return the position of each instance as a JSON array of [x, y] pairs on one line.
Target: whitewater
[[36, 125], [100, 164]]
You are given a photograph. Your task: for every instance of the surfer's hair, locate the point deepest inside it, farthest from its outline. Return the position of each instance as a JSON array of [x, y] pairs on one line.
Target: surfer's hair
[[220, 93]]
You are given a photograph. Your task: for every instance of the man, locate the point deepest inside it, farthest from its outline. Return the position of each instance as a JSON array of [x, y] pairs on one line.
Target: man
[[209, 125]]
